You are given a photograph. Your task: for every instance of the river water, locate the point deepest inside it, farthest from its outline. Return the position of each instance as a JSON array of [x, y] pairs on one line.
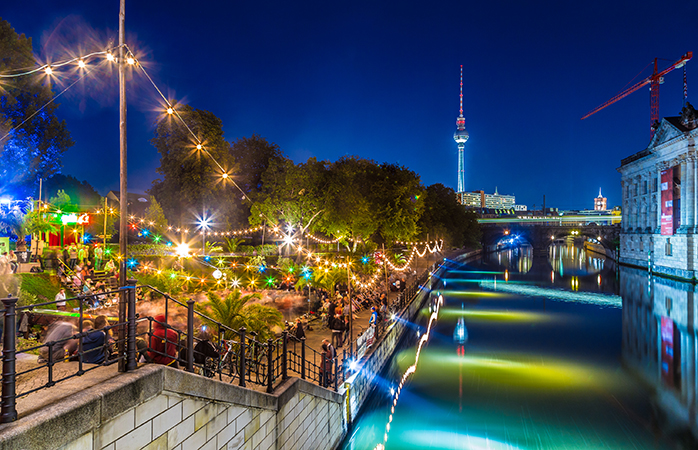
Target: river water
[[526, 353]]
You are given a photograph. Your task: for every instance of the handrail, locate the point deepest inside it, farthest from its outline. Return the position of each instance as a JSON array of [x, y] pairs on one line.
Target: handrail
[[244, 358]]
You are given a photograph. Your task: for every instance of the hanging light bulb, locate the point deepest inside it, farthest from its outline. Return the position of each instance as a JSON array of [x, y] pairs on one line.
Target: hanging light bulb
[[130, 60], [170, 110], [48, 70], [110, 56], [199, 146], [81, 64]]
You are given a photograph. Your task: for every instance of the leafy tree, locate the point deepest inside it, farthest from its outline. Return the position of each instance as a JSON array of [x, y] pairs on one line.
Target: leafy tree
[[190, 179], [294, 194], [366, 201], [81, 192], [445, 218], [252, 157], [62, 202], [155, 214], [235, 311], [33, 140], [38, 223], [324, 279]]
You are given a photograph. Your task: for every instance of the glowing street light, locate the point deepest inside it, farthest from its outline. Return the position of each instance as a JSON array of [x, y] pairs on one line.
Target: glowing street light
[[204, 224], [182, 250]]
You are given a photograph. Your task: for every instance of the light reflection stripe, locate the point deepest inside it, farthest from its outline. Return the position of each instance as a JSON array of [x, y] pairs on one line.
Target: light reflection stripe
[[590, 298]]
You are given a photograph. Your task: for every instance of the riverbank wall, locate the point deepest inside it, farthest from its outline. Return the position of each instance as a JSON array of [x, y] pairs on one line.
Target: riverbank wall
[[359, 387]]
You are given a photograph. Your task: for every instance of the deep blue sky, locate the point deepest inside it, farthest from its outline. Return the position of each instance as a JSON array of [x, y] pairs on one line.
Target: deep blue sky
[[380, 80]]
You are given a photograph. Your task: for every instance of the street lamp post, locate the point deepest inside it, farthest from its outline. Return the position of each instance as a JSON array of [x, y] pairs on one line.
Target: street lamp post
[[204, 225], [123, 194]]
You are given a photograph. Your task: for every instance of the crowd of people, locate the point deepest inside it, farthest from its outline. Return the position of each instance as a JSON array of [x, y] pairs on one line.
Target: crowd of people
[[97, 342]]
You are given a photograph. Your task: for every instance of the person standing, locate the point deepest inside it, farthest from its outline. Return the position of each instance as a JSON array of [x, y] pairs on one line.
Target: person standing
[[60, 299], [99, 252], [73, 252], [373, 321], [337, 327], [299, 332], [82, 255]]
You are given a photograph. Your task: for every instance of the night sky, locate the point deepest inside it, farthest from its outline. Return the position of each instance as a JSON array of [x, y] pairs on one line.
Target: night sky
[[380, 80]]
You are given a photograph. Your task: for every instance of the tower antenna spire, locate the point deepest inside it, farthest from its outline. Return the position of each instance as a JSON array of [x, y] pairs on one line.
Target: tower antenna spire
[[461, 90]]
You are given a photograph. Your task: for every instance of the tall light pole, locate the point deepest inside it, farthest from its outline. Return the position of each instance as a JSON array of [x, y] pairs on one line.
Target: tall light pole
[[123, 187], [204, 225]]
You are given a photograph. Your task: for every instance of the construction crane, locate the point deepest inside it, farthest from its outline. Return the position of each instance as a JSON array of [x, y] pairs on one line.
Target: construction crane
[[654, 81]]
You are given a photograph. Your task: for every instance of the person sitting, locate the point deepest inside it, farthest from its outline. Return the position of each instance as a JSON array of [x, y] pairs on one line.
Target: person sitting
[[205, 350], [102, 324], [163, 343], [110, 268], [93, 344]]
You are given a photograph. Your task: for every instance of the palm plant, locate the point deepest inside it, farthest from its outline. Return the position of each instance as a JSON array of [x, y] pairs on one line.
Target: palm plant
[[234, 311], [233, 243]]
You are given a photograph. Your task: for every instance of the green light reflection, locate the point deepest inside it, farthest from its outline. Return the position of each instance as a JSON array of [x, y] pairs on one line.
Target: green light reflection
[[495, 315]]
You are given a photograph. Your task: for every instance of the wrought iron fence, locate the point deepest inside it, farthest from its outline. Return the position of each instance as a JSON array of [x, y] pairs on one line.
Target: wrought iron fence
[[235, 356]]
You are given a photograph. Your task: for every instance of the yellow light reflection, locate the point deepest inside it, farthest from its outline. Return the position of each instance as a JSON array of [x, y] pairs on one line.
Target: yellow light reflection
[[515, 370], [495, 315]]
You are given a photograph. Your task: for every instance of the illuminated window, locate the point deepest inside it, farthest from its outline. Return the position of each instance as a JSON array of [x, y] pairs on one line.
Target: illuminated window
[[667, 247]]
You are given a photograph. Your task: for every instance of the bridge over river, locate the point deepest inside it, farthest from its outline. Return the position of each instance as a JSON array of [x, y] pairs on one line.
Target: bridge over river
[[542, 231]]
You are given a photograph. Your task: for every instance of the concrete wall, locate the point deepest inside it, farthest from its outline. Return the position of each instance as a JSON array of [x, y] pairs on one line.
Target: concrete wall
[[158, 407]]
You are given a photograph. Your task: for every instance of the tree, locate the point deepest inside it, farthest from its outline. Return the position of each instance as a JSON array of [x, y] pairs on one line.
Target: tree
[[38, 223], [62, 202], [191, 179], [366, 201], [235, 311], [445, 218], [253, 156], [33, 140], [81, 192], [294, 194], [156, 215]]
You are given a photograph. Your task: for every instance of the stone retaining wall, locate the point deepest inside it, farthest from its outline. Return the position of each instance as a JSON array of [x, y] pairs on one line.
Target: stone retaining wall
[[163, 408]]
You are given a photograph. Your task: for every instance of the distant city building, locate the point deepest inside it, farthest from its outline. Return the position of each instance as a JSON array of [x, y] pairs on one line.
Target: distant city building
[[659, 200], [461, 137], [520, 208], [600, 202], [478, 199]]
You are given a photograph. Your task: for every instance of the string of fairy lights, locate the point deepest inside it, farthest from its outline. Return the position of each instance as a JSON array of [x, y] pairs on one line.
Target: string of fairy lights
[[142, 224], [410, 370]]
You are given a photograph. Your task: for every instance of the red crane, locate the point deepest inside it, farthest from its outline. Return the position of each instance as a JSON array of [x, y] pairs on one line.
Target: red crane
[[654, 81]]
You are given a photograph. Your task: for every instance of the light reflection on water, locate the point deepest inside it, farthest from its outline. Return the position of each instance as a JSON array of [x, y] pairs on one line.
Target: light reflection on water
[[533, 374]]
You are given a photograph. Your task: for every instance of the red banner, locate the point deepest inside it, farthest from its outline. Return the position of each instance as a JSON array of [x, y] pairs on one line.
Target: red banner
[[667, 191], [668, 351]]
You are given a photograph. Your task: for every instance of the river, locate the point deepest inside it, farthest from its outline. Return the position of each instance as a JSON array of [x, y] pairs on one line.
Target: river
[[530, 353]]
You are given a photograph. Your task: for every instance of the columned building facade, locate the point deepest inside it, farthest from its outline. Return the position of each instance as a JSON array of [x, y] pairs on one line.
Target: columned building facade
[[660, 227]]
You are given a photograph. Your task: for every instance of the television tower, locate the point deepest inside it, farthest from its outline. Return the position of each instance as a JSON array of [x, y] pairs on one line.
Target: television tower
[[461, 136]]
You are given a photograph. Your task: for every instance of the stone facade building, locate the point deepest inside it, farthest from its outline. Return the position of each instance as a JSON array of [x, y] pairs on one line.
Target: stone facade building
[[660, 187]]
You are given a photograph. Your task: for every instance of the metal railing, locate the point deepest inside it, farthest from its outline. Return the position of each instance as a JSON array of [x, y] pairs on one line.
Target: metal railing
[[235, 356], [65, 342]]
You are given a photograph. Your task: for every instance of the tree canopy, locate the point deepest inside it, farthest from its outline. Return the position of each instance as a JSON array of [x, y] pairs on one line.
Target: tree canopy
[[445, 217], [191, 181], [33, 140]]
